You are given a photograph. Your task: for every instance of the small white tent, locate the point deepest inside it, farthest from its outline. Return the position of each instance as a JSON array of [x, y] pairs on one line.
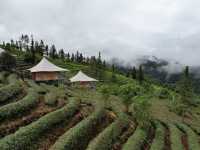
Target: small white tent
[[45, 66], [45, 71], [81, 77]]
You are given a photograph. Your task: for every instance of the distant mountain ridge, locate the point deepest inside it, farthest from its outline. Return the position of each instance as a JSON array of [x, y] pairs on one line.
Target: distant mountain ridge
[[168, 71]]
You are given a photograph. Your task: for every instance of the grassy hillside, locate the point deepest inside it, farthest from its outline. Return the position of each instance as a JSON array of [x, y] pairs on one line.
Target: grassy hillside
[[120, 114]]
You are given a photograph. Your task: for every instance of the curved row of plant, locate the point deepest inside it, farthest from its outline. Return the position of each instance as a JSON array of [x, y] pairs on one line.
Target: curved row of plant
[[175, 137], [106, 139], [136, 141], [2, 77], [79, 136], [25, 137], [16, 108], [54, 95], [192, 137], [159, 140], [39, 88], [12, 89]]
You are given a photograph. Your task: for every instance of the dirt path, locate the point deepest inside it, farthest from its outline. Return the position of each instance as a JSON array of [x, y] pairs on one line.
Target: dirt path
[[167, 139], [185, 142]]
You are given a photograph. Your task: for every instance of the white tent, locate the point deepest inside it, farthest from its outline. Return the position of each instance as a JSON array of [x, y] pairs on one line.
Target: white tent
[[1, 50], [81, 77], [45, 66]]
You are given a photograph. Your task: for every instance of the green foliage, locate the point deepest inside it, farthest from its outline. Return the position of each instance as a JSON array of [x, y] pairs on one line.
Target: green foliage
[[136, 140], [115, 104], [140, 74], [16, 108], [164, 93], [29, 57], [193, 139], [54, 95], [107, 137], [128, 91], [37, 87], [175, 137], [159, 140], [12, 89], [7, 62], [141, 112], [25, 137], [107, 90], [2, 77], [185, 88], [79, 136]]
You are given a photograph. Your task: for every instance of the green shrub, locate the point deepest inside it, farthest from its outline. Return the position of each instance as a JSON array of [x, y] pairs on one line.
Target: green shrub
[[37, 87], [2, 77], [115, 104], [7, 61], [26, 137], [136, 140], [159, 140], [128, 91], [54, 95], [193, 140], [175, 137], [16, 108], [12, 78], [108, 90], [140, 110], [106, 138], [164, 94], [12, 89], [79, 136]]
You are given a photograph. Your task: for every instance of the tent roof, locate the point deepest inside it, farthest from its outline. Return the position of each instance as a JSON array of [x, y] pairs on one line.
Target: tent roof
[[81, 77], [2, 50], [45, 66]]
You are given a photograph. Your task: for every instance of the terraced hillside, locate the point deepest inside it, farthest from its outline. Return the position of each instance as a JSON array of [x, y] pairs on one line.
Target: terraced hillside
[[41, 117]]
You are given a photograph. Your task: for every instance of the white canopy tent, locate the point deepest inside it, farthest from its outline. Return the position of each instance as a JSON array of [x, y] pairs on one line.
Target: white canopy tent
[[81, 77], [45, 66], [46, 71]]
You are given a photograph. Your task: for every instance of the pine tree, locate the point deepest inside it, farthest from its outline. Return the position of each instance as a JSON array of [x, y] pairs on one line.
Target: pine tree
[[128, 73], [68, 56], [53, 52], [46, 50], [140, 75], [72, 57], [185, 87], [133, 73], [32, 51], [62, 54], [113, 78], [41, 47]]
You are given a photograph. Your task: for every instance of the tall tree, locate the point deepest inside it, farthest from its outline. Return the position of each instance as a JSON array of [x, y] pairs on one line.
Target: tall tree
[[62, 54], [53, 52], [141, 74], [185, 87], [133, 73], [32, 50], [113, 77]]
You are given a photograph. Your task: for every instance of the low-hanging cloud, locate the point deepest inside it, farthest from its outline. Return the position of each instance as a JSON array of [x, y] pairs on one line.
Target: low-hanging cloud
[[124, 29]]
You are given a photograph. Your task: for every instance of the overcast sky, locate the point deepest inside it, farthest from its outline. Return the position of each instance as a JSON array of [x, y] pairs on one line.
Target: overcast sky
[[118, 28]]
